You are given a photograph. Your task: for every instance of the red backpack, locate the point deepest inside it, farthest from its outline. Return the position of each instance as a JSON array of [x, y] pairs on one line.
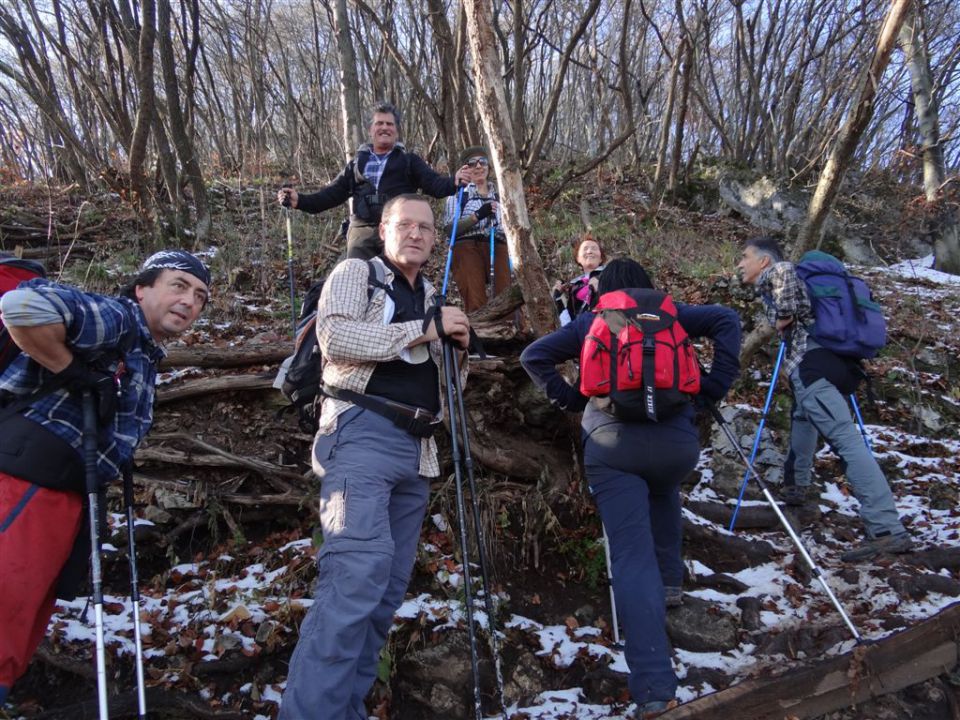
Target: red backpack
[[13, 271], [637, 358]]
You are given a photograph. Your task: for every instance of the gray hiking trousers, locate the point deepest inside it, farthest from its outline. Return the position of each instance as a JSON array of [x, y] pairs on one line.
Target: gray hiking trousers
[[372, 502], [820, 409]]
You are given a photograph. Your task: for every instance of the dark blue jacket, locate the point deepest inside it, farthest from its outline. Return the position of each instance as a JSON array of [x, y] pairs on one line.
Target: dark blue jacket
[[716, 322], [404, 173]]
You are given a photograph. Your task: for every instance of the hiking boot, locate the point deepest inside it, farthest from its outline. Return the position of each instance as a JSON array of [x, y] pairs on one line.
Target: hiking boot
[[872, 547], [672, 596], [795, 495], [654, 708]]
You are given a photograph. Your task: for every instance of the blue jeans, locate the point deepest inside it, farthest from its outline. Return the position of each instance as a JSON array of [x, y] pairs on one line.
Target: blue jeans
[[634, 471], [372, 502], [820, 409]]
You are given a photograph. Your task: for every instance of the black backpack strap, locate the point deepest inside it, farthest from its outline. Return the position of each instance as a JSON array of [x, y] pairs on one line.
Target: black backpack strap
[[649, 369]]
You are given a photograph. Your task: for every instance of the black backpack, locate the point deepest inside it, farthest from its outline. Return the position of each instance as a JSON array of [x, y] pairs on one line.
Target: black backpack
[[14, 271], [300, 374]]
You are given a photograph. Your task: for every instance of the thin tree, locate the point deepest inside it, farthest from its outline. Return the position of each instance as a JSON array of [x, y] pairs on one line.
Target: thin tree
[[495, 115], [856, 123], [944, 226]]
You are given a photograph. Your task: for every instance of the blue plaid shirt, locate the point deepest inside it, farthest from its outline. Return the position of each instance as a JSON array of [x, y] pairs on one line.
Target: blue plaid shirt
[[373, 169], [97, 327], [784, 296]]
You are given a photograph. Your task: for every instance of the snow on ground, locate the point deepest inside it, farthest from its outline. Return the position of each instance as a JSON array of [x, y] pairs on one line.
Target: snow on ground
[[217, 612], [215, 607]]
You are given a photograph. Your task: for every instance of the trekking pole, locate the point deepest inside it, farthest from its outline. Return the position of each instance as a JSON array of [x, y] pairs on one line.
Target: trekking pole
[[492, 290], [814, 568], [449, 368], [613, 600], [477, 525], [756, 439], [134, 592], [93, 502], [459, 437], [453, 239], [859, 417], [293, 292]]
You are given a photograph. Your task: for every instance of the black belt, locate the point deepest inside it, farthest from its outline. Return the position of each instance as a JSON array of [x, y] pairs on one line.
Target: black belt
[[415, 420]]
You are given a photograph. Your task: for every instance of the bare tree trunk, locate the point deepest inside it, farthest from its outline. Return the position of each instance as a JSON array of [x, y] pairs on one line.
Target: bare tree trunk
[[944, 225], [853, 128], [349, 82], [925, 109], [178, 129], [495, 116], [147, 107], [687, 75], [664, 141]]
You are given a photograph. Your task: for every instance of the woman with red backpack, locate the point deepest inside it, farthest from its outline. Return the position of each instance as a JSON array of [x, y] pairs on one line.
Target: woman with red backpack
[[634, 464]]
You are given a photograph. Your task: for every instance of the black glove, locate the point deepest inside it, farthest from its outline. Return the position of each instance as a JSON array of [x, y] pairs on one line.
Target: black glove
[[79, 376], [484, 211]]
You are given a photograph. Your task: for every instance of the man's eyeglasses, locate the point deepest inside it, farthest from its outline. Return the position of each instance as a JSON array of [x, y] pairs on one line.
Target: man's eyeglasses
[[408, 226], [477, 162]]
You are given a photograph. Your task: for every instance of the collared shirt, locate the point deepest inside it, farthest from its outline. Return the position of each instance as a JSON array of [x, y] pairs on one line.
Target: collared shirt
[[96, 327], [784, 296], [354, 335], [373, 169]]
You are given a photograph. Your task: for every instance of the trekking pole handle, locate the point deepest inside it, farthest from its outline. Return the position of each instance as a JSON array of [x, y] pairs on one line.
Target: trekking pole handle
[[286, 196]]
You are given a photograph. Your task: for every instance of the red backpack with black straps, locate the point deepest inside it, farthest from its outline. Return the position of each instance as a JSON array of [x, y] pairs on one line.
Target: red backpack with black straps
[[637, 359], [14, 271]]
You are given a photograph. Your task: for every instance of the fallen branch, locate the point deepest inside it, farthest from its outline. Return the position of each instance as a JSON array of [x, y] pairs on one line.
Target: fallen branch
[[225, 357], [208, 386], [224, 458]]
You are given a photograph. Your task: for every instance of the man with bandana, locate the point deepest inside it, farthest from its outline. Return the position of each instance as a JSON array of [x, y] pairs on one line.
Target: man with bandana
[[73, 341]]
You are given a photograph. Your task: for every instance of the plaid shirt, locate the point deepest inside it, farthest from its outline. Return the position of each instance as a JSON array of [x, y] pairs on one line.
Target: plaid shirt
[[355, 335], [784, 296], [467, 227], [96, 326], [373, 169]]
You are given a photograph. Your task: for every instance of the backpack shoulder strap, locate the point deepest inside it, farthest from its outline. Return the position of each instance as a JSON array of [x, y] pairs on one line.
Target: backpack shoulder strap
[[376, 278]]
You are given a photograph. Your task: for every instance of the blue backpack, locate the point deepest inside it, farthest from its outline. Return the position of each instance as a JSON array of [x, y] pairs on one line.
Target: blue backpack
[[846, 318]]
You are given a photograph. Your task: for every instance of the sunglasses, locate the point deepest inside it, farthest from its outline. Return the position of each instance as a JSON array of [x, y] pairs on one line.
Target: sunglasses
[[477, 162]]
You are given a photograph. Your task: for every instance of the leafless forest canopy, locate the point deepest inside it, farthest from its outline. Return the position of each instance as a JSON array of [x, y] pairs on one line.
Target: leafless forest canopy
[[119, 91]]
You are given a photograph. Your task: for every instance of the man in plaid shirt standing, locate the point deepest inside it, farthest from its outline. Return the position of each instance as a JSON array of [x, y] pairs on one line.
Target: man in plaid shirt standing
[[71, 341], [821, 380], [375, 455]]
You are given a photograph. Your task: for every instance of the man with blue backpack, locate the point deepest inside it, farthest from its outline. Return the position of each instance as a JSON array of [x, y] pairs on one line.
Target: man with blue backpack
[[829, 324]]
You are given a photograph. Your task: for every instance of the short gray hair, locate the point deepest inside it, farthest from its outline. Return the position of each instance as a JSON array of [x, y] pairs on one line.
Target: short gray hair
[[765, 245], [385, 107]]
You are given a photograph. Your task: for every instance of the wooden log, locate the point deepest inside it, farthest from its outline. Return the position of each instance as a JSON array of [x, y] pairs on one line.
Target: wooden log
[[936, 559], [868, 671], [225, 357], [208, 386], [721, 551], [749, 517]]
